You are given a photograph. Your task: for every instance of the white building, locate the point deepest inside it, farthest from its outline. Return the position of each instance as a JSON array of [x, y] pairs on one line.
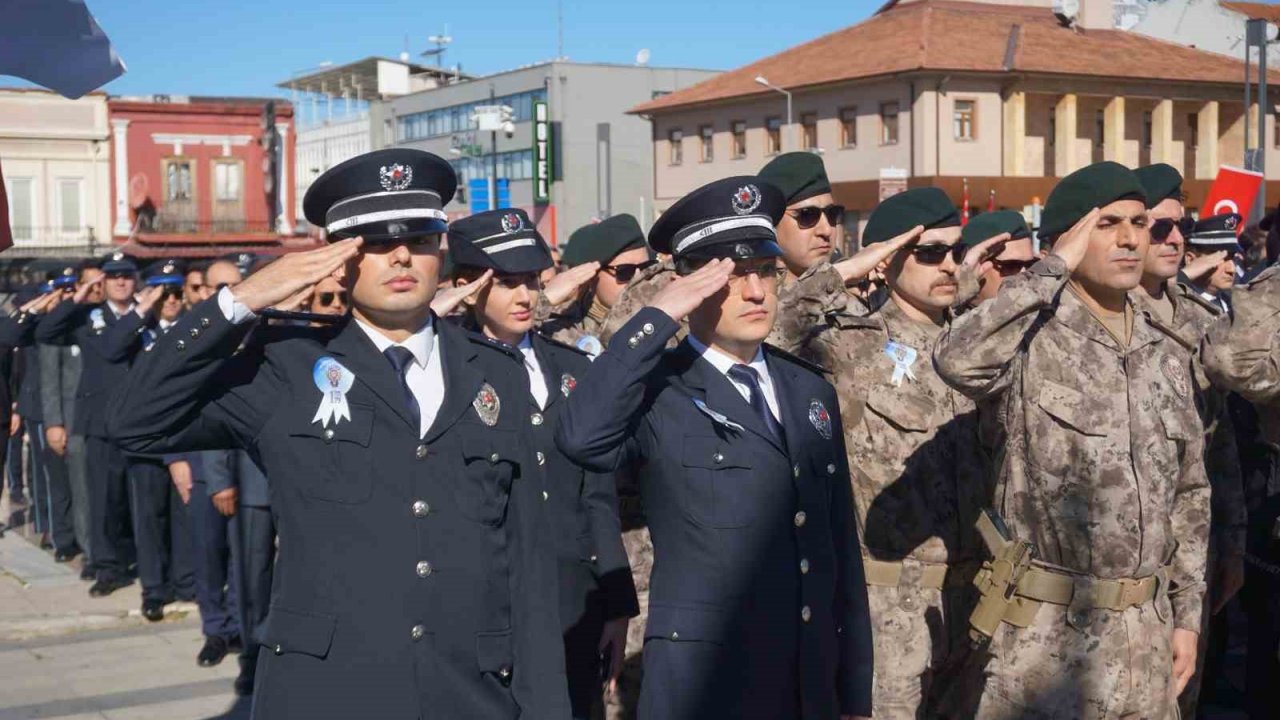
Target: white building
[[55, 156], [1203, 24]]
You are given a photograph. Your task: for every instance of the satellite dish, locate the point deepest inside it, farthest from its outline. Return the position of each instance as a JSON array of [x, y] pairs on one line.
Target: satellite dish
[[642, 57]]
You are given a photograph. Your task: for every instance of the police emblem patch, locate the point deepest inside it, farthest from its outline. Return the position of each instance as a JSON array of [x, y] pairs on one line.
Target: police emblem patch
[[395, 176], [567, 384], [1175, 373], [487, 405], [741, 250], [820, 418], [1230, 222], [511, 223], [746, 200], [169, 268]]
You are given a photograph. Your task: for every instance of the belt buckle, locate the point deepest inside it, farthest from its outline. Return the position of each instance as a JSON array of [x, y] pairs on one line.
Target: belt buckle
[[1130, 593]]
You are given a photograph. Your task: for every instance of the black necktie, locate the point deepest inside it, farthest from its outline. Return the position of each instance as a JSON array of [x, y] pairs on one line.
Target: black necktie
[[746, 375], [401, 358]]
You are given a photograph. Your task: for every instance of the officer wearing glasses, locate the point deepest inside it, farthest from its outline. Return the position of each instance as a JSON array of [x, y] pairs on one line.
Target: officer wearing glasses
[[810, 229], [329, 298], [757, 607], [1007, 259]]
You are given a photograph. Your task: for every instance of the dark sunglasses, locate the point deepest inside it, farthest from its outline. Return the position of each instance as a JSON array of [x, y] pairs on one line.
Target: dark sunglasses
[[1011, 267], [807, 217], [1161, 229], [327, 298], [625, 271], [935, 253]]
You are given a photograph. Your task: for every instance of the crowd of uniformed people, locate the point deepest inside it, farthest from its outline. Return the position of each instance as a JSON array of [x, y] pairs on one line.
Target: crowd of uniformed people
[[433, 469]]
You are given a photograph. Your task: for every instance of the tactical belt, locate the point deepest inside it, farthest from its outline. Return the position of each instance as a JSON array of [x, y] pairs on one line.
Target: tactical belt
[[933, 576], [1086, 591]]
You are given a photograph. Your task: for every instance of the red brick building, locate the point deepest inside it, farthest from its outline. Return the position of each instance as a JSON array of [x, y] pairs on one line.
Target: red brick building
[[190, 176]]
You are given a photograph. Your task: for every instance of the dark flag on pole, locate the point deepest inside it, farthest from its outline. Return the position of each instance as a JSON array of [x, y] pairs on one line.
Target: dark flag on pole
[[57, 44]]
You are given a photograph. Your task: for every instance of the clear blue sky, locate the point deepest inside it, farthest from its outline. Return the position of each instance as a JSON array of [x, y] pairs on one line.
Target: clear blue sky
[[238, 47]]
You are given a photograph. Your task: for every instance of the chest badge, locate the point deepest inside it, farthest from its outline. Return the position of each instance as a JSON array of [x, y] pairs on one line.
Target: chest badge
[[333, 381], [1175, 373], [567, 384], [820, 418], [487, 405], [97, 319], [903, 357], [591, 345]]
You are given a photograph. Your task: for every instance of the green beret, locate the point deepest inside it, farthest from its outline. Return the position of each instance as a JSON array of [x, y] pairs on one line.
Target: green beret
[[990, 224], [799, 175], [1092, 186], [601, 242], [896, 214], [1160, 181]]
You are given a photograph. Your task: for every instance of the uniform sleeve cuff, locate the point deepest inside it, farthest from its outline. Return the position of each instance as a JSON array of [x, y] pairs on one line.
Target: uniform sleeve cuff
[[232, 309]]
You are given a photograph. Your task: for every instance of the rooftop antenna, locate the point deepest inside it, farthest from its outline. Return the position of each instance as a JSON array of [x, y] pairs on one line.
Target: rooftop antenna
[[441, 42]]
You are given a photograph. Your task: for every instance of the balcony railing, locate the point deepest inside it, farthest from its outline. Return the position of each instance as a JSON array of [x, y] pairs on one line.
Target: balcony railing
[[34, 240], [166, 225]]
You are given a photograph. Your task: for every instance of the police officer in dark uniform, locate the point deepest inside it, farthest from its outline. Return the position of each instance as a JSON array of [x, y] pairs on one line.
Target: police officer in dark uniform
[[757, 607], [597, 594], [414, 578], [109, 336]]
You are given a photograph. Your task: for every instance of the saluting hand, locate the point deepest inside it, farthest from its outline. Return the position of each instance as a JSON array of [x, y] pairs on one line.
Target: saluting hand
[[1074, 243], [294, 273], [448, 299], [978, 258], [1203, 265], [565, 285], [684, 294], [858, 266], [43, 303], [147, 299], [83, 289]]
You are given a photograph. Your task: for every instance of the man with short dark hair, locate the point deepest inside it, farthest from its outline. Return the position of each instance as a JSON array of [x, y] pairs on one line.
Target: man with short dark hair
[[1091, 604], [757, 608]]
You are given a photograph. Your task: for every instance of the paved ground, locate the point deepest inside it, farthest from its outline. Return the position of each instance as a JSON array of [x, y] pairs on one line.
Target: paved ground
[[66, 655]]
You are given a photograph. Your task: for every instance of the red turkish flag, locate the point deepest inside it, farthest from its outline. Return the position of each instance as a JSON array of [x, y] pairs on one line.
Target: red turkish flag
[[1233, 191], [6, 237]]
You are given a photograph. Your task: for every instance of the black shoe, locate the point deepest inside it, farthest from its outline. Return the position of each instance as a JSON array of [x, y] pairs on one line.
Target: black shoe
[[214, 650], [63, 556], [88, 574], [244, 682], [235, 644], [45, 542], [106, 586], [153, 610]]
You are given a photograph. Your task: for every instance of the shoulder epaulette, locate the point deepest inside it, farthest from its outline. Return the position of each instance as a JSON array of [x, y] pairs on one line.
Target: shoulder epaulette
[[806, 364], [560, 344]]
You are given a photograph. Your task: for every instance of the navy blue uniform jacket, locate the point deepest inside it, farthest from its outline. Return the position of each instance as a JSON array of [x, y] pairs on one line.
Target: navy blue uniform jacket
[[757, 604], [415, 577]]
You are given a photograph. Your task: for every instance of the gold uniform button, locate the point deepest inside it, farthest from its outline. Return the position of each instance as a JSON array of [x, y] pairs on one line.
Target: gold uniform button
[[647, 328], [718, 458], [542, 459], [806, 614], [633, 341], [675, 636], [181, 345], [494, 458], [504, 672], [801, 518], [328, 435], [279, 649], [417, 632], [804, 566], [420, 451], [421, 508], [424, 568], [796, 471], [536, 418], [195, 332], [831, 469], [204, 322]]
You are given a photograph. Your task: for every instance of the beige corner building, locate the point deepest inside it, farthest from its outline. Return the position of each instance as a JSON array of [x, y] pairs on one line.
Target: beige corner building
[[56, 160], [1008, 97]]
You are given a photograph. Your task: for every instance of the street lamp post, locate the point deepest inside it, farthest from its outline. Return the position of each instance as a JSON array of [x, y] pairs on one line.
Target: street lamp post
[[760, 79]]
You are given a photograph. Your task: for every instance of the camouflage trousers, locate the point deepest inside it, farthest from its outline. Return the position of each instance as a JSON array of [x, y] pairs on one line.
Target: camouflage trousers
[[1098, 665], [622, 704], [917, 632]]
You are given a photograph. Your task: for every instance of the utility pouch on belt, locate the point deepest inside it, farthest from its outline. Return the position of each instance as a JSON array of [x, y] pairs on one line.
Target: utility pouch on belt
[[997, 581]]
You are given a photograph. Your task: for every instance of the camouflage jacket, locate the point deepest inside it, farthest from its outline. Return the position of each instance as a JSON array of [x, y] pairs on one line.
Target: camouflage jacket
[[919, 477], [1100, 452], [1192, 316], [637, 294], [567, 323], [1242, 353], [805, 304]]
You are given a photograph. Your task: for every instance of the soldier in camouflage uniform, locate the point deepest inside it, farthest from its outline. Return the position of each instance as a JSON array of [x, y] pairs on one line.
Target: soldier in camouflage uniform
[[1183, 313], [618, 246], [1100, 469], [918, 469]]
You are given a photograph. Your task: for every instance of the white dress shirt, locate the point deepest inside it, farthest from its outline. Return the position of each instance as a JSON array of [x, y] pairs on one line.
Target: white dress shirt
[[537, 380], [722, 363], [425, 376]]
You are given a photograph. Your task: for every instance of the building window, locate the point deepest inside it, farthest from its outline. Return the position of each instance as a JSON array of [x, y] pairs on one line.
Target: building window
[[809, 130], [962, 119], [773, 131], [675, 139], [70, 205], [457, 118], [1146, 130], [706, 151], [177, 180], [739, 128], [226, 181], [848, 127], [1099, 127], [22, 207], [889, 123]]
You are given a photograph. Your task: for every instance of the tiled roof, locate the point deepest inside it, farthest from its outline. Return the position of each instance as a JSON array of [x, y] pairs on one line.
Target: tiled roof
[[1261, 11], [948, 35]]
